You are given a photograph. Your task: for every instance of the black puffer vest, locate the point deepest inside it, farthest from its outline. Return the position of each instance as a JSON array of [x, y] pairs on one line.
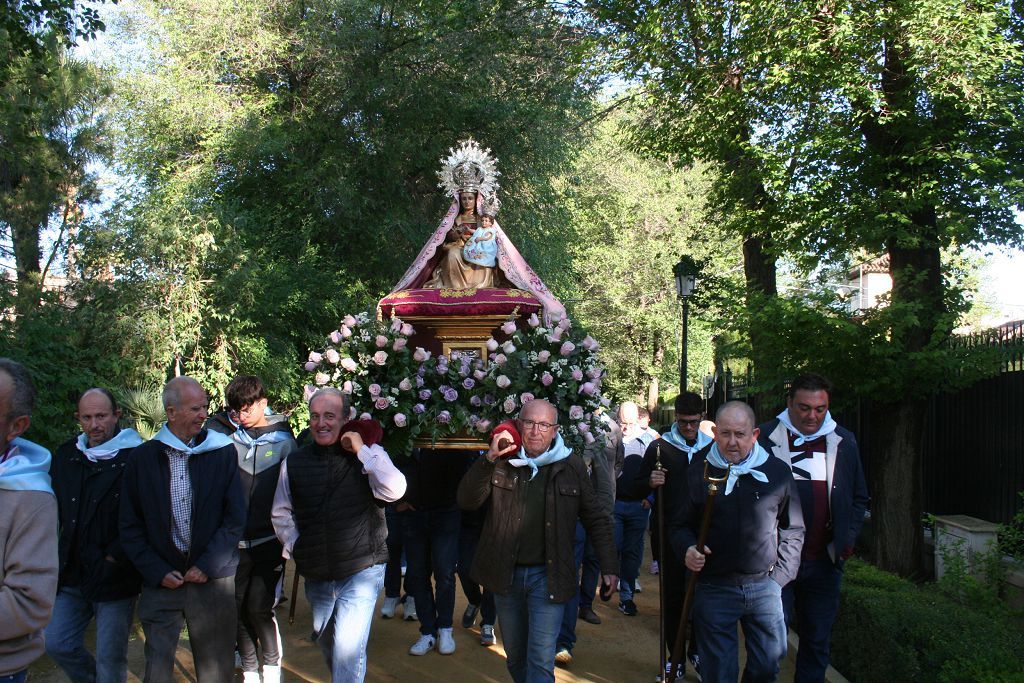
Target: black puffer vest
[[341, 525]]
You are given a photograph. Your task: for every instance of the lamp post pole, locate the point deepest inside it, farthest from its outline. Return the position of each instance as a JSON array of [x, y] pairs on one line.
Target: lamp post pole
[[685, 273], [682, 358]]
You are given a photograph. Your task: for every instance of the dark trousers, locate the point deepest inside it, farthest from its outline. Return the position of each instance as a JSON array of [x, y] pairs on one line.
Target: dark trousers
[[469, 538], [431, 540], [590, 575], [567, 633], [393, 569], [811, 602], [208, 609], [259, 570], [673, 581]]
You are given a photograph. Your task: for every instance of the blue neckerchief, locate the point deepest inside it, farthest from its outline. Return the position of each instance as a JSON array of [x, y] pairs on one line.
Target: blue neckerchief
[[242, 437], [677, 440], [757, 457], [26, 467], [828, 426], [558, 451], [126, 438], [212, 442]]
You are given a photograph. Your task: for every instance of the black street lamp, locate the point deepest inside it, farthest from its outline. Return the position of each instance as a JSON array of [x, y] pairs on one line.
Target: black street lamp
[[685, 273]]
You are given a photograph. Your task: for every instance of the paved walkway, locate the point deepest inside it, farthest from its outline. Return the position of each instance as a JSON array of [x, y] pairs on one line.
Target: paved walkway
[[620, 650]]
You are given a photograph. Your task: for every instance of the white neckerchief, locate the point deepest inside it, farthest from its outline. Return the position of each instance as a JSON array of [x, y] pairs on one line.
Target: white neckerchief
[[757, 457], [676, 439], [828, 426], [213, 441], [126, 438]]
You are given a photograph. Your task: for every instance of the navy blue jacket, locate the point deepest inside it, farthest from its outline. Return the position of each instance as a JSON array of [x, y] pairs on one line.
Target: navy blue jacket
[[218, 513], [848, 491], [758, 529]]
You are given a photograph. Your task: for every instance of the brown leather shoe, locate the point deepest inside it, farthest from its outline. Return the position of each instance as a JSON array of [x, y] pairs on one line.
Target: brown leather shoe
[[588, 615]]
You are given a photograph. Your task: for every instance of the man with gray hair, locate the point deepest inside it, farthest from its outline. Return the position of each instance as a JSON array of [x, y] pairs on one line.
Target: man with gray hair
[[182, 515], [28, 529], [752, 548], [329, 515]]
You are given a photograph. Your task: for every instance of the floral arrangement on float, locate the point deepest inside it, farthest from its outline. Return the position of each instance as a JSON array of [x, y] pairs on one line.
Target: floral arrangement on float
[[417, 395]]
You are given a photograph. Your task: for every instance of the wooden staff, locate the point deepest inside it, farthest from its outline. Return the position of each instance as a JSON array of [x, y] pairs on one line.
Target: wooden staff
[[679, 646], [295, 591], [660, 502]]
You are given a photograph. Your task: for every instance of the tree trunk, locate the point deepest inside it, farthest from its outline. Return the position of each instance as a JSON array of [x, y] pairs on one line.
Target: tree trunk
[[26, 261], [895, 484]]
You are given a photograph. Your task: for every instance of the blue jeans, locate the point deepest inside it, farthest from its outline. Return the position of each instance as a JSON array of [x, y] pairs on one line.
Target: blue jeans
[[567, 633], [590, 575], [469, 539], [757, 606], [432, 547], [630, 525], [342, 614], [66, 630], [393, 573], [529, 622], [811, 603], [19, 677]]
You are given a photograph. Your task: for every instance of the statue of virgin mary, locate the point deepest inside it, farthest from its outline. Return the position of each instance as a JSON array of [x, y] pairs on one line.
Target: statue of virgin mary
[[469, 250]]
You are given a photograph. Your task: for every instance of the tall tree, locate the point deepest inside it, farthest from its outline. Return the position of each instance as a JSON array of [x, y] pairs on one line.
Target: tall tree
[[889, 126]]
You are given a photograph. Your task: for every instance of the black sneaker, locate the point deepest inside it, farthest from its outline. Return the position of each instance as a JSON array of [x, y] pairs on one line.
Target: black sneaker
[[695, 663], [469, 616], [628, 607]]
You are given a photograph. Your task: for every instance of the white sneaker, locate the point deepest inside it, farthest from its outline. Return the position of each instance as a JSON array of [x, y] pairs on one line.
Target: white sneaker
[[636, 587], [250, 677], [387, 610], [409, 611], [422, 646], [487, 635], [445, 641], [271, 673]]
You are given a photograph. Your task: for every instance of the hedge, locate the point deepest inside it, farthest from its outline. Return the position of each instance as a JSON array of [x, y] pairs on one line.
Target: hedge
[[890, 629]]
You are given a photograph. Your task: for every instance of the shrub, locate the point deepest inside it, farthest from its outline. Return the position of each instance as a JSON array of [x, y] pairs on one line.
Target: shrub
[[1011, 535], [890, 629]]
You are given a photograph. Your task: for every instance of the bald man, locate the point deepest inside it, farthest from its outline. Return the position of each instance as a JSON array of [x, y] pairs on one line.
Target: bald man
[[536, 493], [752, 549], [97, 580], [182, 515]]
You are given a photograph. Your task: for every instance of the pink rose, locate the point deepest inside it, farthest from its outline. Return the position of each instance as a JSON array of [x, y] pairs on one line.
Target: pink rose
[[509, 406], [588, 438], [315, 357], [479, 374], [594, 373], [381, 341], [405, 384], [555, 336], [564, 324], [407, 329], [567, 348], [546, 379], [533, 320], [374, 389], [500, 359], [483, 425], [420, 354], [583, 427], [509, 327], [526, 397], [575, 413], [380, 358], [349, 320], [308, 391], [381, 403], [396, 325], [503, 382], [365, 416], [348, 364], [311, 366], [332, 356], [508, 347], [347, 387], [399, 344], [492, 345], [336, 337], [543, 356], [589, 343], [322, 378], [400, 420], [345, 332], [577, 374], [588, 388]]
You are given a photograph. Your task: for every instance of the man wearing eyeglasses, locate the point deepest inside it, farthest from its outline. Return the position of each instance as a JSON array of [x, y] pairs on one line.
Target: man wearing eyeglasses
[[664, 469], [262, 441], [536, 493]]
